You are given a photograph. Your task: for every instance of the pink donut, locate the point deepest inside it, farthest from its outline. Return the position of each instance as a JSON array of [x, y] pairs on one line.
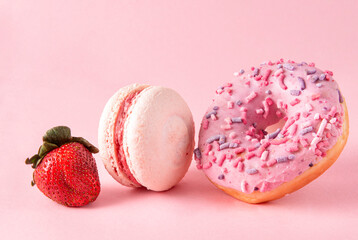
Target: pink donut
[[272, 130]]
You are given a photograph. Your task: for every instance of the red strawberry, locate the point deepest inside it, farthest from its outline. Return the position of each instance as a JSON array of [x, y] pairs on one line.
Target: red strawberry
[[65, 169]]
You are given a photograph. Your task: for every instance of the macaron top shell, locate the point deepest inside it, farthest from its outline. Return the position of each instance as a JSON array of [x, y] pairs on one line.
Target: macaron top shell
[[158, 138]]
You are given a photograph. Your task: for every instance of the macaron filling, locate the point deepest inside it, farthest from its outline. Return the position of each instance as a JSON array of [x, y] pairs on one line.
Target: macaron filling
[[123, 114]]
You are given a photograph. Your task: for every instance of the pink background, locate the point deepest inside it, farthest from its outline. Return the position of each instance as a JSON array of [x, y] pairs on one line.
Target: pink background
[[61, 60]]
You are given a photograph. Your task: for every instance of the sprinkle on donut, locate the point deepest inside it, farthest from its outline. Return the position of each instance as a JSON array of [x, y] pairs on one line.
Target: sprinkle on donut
[[268, 125]]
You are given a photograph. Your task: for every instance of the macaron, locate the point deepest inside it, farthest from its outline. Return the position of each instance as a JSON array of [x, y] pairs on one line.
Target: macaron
[[146, 137]]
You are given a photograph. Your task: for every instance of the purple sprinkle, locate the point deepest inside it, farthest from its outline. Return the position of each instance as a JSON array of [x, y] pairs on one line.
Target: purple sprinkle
[[310, 165], [340, 97], [274, 134], [288, 66], [216, 108], [325, 108], [238, 103], [221, 177], [236, 120], [256, 72], [291, 157], [314, 78], [282, 159], [254, 125], [302, 83], [279, 65], [233, 145], [319, 85], [306, 130], [322, 77], [295, 92], [268, 92], [224, 146], [209, 114], [242, 71], [222, 139], [251, 171], [303, 63], [213, 138], [310, 71], [256, 189], [197, 153], [257, 145]]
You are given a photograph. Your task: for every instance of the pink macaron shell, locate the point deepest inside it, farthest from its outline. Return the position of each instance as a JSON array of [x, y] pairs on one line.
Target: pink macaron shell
[[158, 138], [109, 149]]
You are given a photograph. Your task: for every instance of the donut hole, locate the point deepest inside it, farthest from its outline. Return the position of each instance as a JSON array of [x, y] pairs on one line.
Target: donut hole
[[272, 128]]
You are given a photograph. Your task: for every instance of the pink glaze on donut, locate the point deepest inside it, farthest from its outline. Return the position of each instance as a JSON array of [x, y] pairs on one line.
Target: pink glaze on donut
[[238, 152]]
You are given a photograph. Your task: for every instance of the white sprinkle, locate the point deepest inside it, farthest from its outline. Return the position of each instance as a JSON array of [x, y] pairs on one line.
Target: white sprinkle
[[309, 107], [266, 109], [329, 126], [232, 135], [230, 104], [236, 74], [251, 96], [316, 116], [333, 120], [228, 120], [314, 142], [306, 124], [278, 72], [322, 127], [259, 111], [226, 127], [264, 155]]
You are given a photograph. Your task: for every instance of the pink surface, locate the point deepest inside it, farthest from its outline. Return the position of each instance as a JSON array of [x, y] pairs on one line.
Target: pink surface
[[60, 61]]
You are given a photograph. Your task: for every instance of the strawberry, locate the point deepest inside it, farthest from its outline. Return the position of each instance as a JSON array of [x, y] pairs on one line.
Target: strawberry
[[65, 170]]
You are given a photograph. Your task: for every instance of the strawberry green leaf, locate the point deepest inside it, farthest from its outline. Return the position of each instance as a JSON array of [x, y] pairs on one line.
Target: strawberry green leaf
[[46, 147], [58, 135], [85, 143], [33, 160]]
